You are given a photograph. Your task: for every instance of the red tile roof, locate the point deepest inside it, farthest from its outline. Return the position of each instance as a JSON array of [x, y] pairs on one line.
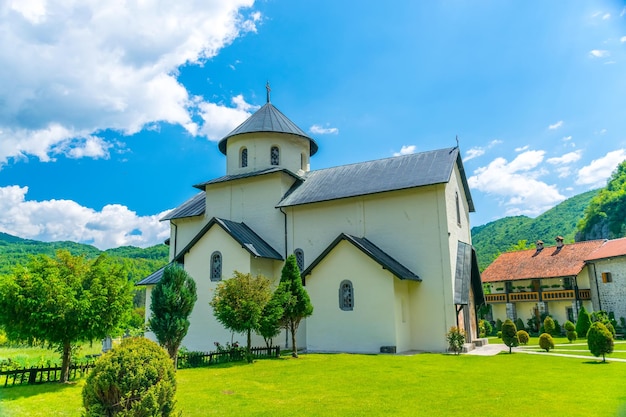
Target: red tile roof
[[610, 249], [548, 263]]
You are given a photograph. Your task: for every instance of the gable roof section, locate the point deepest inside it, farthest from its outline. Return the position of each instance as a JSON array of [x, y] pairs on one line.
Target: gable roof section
[[267, 119], [609, 249], [153, 278], [548, 263], [195, 206], [225, 178], [397, 173], [467, 275], [371, 250], [248, 239]]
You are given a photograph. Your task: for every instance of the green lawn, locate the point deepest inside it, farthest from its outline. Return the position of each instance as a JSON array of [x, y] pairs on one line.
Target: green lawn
[[37, 356], [363, 385]]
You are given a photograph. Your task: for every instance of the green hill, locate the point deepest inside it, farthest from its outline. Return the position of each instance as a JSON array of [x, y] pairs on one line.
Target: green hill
[[498, 236]]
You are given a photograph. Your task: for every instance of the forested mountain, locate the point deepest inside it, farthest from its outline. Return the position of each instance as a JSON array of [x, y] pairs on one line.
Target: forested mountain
[[140, 262], [496, 237]]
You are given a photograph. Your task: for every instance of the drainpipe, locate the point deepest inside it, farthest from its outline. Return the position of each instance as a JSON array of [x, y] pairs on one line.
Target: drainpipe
[[175, 238], [285, 217], [595, 278]]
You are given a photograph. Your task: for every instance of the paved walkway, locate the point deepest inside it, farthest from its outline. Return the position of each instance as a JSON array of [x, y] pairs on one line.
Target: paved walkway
[[494, 349]]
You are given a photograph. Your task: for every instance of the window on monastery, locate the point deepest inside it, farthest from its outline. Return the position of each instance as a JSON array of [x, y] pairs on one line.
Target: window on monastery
[[346, 296], [275, 156], [244, 158], [458, 209], [216, 266], [303, 162], [606, 277], [299, 258]]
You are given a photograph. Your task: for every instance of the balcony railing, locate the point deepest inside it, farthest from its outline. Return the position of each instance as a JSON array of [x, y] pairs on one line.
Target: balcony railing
[[534, 296]]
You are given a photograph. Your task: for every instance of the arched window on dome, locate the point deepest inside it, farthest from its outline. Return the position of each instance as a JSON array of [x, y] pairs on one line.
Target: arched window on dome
[[243, 158], [275, 155], [346, 296], [216, 266]]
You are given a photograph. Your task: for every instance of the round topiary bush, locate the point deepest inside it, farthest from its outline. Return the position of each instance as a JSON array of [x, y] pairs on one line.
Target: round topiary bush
[[548, 325], [599, 340], [569, 326], [509, 334], [546, 342], [523, 337], [136, 378]]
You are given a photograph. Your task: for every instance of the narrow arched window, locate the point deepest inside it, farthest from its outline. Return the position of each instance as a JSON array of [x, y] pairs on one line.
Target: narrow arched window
[[299, 258], [216, 266], [346, 296], [303, 162], [274, 156], [458, 209], [243, 160]]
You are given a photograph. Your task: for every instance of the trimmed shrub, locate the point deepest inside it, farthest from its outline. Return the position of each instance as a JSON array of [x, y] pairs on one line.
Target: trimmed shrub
[[599, 340], [546, 342], [134, 379], [548, 325], [523, 337], [572, 335], [569, 326], [519, 323], [488, 328], [498, 325], [456, 339], [499, 334], [557, 328], [583, 323], [509, 334]]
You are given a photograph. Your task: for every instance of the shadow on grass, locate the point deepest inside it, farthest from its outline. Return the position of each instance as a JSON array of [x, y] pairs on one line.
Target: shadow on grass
[[25, 391], [596, 362]]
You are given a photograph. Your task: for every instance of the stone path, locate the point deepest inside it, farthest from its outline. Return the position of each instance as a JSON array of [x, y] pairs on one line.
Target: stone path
[[494, 349]]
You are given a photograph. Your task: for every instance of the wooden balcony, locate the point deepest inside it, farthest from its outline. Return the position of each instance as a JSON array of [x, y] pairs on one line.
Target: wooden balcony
[[584, 294], [495, 298], [523, 296], [558, 295]]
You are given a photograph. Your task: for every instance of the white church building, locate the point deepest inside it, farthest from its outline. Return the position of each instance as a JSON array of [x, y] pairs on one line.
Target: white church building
[[384, 246]]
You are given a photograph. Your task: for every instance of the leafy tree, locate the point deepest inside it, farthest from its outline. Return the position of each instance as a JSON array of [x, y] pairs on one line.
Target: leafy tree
[[64, 301], [509, 334], [599, 340], [605, 216], [238, 303], [548, 325], [171, 304], [270, 323], [546, 342], [456, 339], [135, 379], [297, 302], [583, 323]]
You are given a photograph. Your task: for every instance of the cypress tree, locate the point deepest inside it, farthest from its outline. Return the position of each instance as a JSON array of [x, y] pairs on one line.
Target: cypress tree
[[297, 302], [583, 323]]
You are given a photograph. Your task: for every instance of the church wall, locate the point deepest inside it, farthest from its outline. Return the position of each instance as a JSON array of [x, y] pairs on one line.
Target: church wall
[[371, 324], [183, 231], [259, 146], [402, 313]]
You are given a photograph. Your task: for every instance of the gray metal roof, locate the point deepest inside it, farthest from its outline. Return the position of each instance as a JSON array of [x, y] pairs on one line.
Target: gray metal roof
[[371, 250], [397, 173], [248, 239], [195, 206], [267, 119], [226, 178], [153, 278]]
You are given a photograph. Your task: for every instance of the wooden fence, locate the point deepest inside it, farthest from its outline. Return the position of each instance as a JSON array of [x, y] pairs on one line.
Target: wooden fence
[[198, 359], [37, 375]]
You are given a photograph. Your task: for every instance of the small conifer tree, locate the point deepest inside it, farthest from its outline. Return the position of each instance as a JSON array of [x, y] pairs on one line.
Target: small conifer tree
[[570, 331], [546, 342], [297, 302], [599, 340], [519, 323], [583, 323], [548, 325], [509, 334]]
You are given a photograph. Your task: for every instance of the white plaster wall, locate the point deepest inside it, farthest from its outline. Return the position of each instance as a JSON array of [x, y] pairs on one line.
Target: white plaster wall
[[182, 231], [372, 322], [259, 145], [402, 289]]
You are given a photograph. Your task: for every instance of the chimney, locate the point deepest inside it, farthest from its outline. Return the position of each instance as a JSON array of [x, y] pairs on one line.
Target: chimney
[[559, 241]]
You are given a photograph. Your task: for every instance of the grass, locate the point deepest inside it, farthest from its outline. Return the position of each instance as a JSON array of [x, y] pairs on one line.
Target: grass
[[37, 356], [364, 385]]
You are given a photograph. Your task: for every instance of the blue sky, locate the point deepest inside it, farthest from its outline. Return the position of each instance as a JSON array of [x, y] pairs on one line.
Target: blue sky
[[111, 111]]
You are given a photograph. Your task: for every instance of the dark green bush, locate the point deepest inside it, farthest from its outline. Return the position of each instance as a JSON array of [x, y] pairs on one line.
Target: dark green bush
[[572, 335], [488, 328], [557, 328], [548, 325], [134, 379], [509, 334], [498, 325], [499, 334], [583, 323], [569, 326], [523, 337], [599, 340], [519, 323], [546, 342]]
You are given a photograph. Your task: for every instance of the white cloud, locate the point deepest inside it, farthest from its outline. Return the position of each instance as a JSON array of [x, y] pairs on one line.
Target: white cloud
[[599, 170], [473, 153], [556, 125], [567, 138], [80, 67], [522, 148], [220, 120], [406, 150], [515, 184], [623, 12], [53, 220], [606, 16], [494, 142], [622, 39], [568, 158], [599, 53], [320, 130]]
